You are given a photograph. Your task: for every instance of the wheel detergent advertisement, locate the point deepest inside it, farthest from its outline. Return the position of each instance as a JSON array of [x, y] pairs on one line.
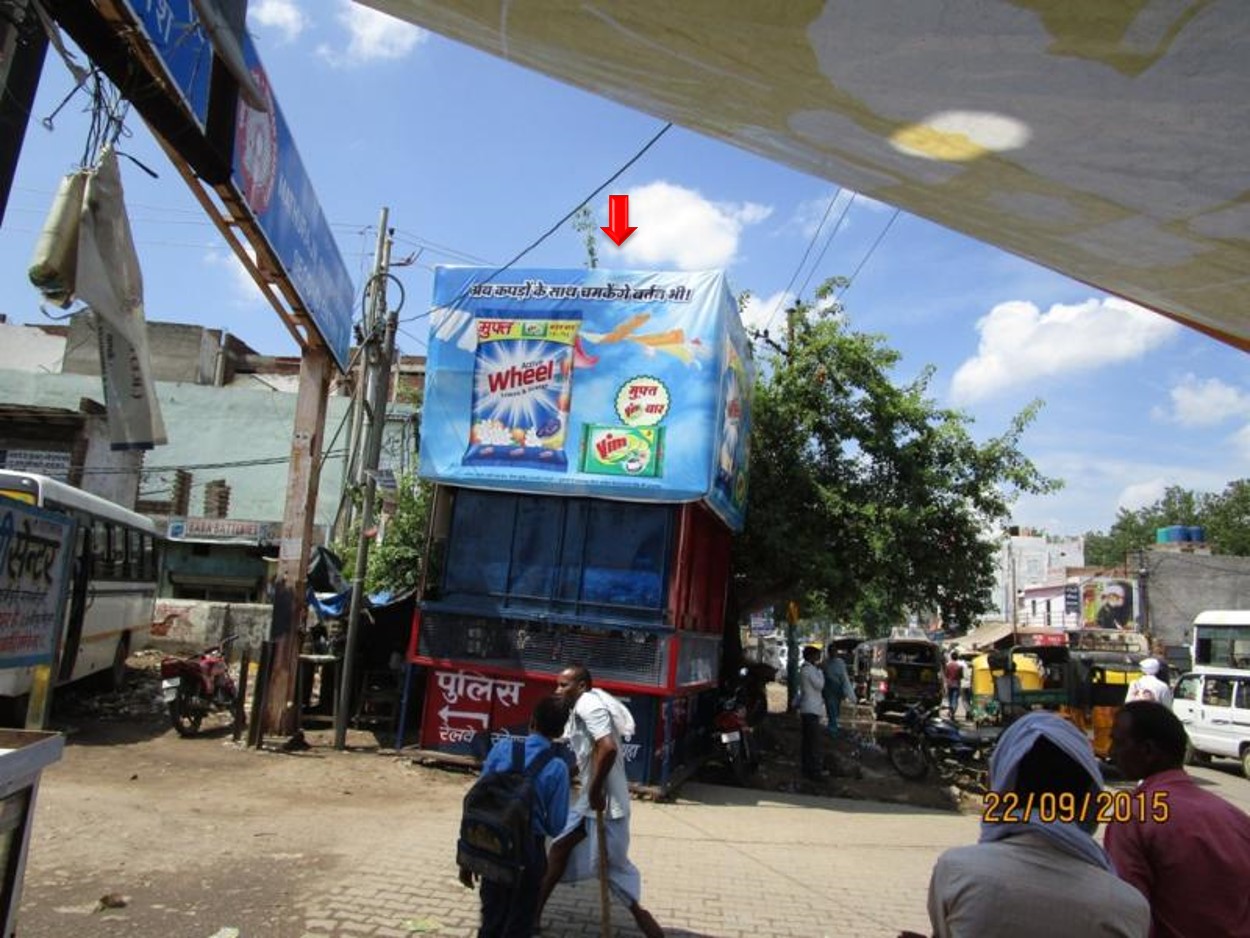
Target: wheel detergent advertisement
[[610, 384]]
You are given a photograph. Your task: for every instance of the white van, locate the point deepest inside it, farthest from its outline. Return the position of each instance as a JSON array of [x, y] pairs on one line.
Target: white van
[[1215, 710]]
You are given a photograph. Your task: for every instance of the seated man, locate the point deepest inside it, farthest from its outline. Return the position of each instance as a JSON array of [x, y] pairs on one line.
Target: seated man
[[1028, 877], [1186, 849]]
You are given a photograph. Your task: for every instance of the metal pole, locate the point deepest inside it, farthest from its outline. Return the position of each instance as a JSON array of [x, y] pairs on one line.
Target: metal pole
[[379, 391], [351, 473]]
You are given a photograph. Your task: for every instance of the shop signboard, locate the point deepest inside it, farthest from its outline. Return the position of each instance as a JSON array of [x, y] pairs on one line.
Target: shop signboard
[[609, 384], [270, 177], [466, 713], [35, 548], [180, 42]]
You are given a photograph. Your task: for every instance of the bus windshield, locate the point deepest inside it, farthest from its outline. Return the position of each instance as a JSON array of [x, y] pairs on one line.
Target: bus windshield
[[1222, 646]]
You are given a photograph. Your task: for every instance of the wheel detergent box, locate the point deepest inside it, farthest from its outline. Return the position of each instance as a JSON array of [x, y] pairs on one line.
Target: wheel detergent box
[[522, 391], [622, 451]]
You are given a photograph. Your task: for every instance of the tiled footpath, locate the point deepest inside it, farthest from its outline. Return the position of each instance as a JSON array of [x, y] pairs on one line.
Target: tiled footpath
[[717, 862]]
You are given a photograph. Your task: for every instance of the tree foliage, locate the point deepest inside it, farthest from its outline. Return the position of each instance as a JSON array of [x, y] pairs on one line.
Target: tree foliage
[[864, 493], [1225, 515]]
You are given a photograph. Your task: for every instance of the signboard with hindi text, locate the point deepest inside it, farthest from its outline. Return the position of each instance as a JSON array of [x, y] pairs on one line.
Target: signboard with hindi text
[[35, 549], [609, 384]]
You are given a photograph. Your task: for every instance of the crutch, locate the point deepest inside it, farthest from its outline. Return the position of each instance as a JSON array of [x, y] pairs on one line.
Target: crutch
[[605, 908]]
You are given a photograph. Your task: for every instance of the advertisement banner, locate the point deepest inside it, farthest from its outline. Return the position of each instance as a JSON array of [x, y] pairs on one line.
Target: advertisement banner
[[1109, 604], [609, 384], [270, 176], [35, 549]]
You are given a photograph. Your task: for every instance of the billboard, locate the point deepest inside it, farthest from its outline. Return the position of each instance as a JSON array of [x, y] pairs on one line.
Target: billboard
[[182, 45], [1109, 604], [609, 384]]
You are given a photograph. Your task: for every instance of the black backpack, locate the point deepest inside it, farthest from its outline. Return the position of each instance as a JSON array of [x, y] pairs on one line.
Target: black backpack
[[496, 830]]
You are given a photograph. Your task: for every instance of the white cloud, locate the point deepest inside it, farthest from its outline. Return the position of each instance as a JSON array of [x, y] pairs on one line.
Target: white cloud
[[1198, 403], [1141, 494], [678, 226], [807, 217], [1020, 344], [241, 285], [372, 37], [282, 15], [767, 312]]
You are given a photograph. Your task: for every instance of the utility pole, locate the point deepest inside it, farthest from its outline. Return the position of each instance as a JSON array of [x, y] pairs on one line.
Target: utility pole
[[351, 473], [380, 366]]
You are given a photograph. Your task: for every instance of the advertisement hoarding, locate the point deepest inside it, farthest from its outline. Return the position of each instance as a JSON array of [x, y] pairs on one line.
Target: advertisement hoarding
[[609, 384], [35, 548]]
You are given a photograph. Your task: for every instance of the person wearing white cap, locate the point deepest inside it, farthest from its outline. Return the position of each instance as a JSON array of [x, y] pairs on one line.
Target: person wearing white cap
[[1114, 612], [1148, 686]]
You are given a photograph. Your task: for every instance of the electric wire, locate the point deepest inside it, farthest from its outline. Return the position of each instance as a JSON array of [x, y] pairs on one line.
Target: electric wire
[[781, 297], [837, 226], [864, 260]]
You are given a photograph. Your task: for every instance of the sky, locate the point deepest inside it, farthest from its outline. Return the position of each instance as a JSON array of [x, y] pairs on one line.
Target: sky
[[475, 158]]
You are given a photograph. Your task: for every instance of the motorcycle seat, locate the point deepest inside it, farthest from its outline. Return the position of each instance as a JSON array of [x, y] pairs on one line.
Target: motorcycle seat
[[986, 734]]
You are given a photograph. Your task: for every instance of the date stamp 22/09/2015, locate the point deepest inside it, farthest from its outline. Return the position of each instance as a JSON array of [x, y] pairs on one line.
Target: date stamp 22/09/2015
[[1103, 807]]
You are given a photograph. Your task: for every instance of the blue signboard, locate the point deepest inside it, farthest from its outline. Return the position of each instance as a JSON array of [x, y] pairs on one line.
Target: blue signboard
[[610, 384], [270, 177], [180, 41], [35, 554]]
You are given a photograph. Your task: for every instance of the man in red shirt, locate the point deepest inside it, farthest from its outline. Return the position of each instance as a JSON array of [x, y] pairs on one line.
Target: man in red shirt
[[1192, 860]]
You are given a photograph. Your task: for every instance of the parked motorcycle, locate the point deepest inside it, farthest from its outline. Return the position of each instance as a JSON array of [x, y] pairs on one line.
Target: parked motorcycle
[[198, 685], [926, 740], [732, 729]]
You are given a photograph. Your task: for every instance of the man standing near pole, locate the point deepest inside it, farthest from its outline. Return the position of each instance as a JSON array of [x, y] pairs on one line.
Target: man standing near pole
[[597, 723]]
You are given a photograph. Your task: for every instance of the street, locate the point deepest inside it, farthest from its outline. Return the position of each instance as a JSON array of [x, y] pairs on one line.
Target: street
[[199, 838]]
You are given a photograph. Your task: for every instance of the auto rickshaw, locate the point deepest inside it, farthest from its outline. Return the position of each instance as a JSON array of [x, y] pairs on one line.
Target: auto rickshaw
[[998, 689], [1105, 663], [1085, 680]]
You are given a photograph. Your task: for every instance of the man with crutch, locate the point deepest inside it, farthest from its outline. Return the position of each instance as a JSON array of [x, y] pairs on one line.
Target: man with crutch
[[597, 724]]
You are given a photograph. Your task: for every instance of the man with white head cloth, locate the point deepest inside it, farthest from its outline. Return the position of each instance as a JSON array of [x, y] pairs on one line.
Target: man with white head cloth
[[1037, 871], [1148, 686]]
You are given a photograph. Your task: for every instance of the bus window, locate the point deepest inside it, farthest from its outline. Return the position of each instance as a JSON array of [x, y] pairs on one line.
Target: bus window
[[134, 554], [101, 562], [149, 558]]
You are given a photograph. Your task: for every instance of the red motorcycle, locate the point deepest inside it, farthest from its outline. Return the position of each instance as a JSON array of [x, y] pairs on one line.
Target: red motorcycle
[[198, 685], [732, 729]]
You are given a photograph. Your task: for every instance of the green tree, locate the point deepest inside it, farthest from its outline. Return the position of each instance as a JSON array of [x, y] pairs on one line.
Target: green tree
[[1133, 531], [584, 224], [864, 491], [395, 563], [1227, 519]]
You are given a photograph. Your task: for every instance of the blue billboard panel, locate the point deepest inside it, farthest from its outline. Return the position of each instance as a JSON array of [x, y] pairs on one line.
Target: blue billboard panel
[[609, 384], [180, 41], [269, 175]]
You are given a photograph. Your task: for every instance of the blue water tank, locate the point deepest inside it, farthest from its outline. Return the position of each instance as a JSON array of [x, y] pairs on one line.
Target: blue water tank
[[1197, 533], [1172, 534]]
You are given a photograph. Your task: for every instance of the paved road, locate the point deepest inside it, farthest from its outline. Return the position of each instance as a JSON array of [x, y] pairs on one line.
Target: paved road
[[199, 836]]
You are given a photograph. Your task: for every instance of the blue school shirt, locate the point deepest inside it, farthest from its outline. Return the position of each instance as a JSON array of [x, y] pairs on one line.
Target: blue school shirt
[[551, 787]]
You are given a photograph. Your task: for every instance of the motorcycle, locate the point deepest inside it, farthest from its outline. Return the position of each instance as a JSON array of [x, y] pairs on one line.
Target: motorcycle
[[927, 741], [732, 729], [195, 686]]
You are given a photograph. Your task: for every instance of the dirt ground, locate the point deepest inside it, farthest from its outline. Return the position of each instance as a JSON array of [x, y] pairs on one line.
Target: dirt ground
[[227, 818]]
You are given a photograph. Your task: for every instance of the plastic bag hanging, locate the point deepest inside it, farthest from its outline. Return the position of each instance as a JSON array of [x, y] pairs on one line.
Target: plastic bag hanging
[[110, 282], [54, 265]]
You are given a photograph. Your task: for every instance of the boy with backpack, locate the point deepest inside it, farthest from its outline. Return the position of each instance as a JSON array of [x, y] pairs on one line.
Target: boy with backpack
[[521, 798]]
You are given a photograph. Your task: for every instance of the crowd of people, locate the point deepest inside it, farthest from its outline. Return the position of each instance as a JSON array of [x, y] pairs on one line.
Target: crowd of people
[[1171, 864]]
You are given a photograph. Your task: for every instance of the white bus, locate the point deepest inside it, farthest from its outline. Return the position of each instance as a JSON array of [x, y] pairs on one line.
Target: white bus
[[108, 613], [1221, 640]]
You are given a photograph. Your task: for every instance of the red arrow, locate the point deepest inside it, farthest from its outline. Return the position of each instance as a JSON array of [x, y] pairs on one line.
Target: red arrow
[[618, 228]]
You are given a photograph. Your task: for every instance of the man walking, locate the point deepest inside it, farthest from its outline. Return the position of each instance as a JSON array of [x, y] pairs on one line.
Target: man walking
[[811, 708], [1186, 850], [837, 688], [954, 675], [597, 724], [508, 911], [1148, 686]]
